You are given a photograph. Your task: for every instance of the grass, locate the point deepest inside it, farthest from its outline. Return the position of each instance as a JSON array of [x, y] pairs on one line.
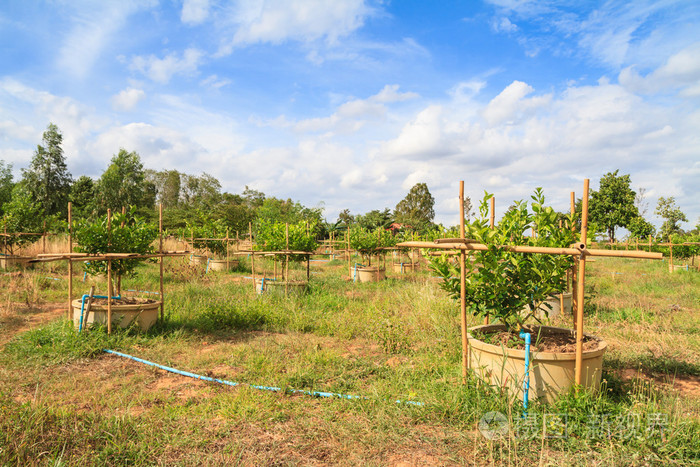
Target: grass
[[394, 340]]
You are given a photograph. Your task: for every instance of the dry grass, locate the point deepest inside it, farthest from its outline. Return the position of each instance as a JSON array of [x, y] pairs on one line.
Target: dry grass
[[48, 244]]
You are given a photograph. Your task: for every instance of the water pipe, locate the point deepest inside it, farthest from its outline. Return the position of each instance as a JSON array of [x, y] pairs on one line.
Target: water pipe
[[354, 274], [526, 383], [253, 386], [207, 270], [82, 307], [262, 285]]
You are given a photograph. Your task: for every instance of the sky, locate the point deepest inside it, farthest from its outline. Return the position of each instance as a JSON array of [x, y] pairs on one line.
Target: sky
[[347, 104]]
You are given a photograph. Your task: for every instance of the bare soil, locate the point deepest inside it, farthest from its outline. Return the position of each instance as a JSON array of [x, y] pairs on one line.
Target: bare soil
[[544, 342]]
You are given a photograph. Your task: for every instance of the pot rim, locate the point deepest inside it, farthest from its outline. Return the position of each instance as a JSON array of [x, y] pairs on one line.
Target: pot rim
[[534, 355], [77, 303]]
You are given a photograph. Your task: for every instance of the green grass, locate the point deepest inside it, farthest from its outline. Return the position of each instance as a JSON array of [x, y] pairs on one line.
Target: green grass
[[394, 340]]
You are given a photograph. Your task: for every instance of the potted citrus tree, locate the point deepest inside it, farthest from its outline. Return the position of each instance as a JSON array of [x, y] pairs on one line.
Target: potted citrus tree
[[280, 237], [123, 233], [369, 244], [209, 241], [511, 289]]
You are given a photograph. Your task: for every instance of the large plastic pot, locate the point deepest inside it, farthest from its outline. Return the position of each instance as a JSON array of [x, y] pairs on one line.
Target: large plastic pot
[[551, 373], [143, 314]]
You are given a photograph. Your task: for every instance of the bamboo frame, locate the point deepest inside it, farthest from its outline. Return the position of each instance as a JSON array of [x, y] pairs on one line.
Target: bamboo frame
[[109, 274], [580, 284], [160, 260], [462, 289], [70, 265]]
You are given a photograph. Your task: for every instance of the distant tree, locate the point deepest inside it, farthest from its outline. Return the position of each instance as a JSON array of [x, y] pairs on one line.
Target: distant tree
[[612, 205], [167, 186], [253, 198], [375, 219], [346, 218], [122, 184], [5, 184], [468, 209], [82, 196], [203, 191], [47, 179], [640, 201], [666, 208], [417, 208]]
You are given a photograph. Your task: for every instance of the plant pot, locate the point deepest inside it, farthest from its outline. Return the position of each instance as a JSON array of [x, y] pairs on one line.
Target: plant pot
[[279, 287], [220, 264], [370, 274], [679, 267], [143, 314], [198, 259], [403, 268], [7, 262], [551, 373]]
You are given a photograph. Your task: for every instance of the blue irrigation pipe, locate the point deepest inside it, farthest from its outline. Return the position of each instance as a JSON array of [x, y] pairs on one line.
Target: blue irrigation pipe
[[526, 383], [207, 271], [254, 386], [82, 307]]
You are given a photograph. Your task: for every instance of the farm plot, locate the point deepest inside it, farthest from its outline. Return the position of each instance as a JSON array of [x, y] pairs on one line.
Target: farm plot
[[62, 399]]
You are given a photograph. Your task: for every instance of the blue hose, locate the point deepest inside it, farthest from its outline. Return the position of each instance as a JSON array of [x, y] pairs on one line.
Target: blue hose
[[254, 386], [207, 270], [526, 383], [82, 307]]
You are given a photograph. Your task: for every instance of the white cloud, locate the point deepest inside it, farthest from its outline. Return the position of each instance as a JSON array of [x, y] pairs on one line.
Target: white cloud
[[194, 11], [503, 24], [127, 99], [94, 27], [161, 70], [511, 103], [214, 82], [681, 70], [277, 21]]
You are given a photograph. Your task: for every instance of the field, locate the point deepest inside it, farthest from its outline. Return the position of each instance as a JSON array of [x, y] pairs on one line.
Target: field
[[63, 400]]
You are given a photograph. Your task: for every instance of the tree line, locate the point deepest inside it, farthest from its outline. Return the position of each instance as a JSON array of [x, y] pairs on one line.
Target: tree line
[[38, 201]]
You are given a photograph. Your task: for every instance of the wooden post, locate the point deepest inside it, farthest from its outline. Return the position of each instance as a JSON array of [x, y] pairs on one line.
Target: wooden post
[[252, 253], [347, 246], [308, 268], [670, 256], [160, 250], [581, 283], [4, 251], [109, 274], [649, 243], [462, 288], [70, 263], [43, 238], [493, 212], [286, 259], [574, 301]]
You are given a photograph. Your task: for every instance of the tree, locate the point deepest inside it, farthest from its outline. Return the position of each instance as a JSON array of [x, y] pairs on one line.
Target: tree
[[666, 208], [346, 218], [122, 184], [416, 209], [5, 184], [82, 197], [167, 186], [22, 214], [202, 191], [47, 178], [374, 219], [613, 204], [641, 228]]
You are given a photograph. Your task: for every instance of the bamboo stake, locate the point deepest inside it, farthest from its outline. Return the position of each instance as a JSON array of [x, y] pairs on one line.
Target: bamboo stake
[[109, 274], [161, 259], [43, 238], [580, 284], [649, 243], [462, 289], [70, 264], [252, 253], [574, 268], [348, 252], [4, 251], [670, 258], [493, 213], [286, 259]]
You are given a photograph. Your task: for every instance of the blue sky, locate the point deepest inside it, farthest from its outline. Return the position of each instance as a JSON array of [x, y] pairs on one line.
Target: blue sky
[[352, 102]]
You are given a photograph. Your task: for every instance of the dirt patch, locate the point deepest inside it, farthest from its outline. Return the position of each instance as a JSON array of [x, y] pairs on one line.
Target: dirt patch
[[28, 318], [685, 384], [545, 342]]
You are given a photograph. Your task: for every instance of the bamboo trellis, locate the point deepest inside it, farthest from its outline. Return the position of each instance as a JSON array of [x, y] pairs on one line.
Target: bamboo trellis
[[579, 251]]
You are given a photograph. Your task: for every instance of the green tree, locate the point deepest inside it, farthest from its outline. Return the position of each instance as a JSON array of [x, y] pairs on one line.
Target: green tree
[[47, 178], [202, 191], [21, 214], [82, 195], [345, 218], [167, 186], [666, 208], [122, 184], [641, 228], [374, 219], [612, 205], [417, 208], [5, 184]]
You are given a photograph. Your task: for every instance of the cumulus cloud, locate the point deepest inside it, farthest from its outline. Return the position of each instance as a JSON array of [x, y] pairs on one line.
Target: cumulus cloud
[[681, 71], [161, 70], [276, 21], [127, 99], [503, 24], [511, 103]]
